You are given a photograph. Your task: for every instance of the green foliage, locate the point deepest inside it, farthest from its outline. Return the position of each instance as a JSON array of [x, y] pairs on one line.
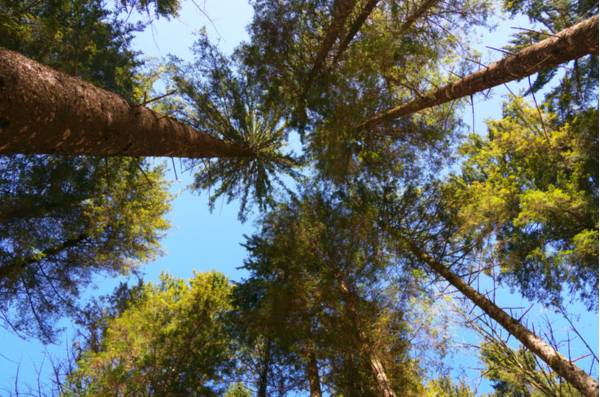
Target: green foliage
[[534, 187], [387, 63], [237, 390], [516, 373], [78, 37], [226, 104], [172, 341], [63, 219], [66, 219], [160, 8], [444, 387], [315, 287]]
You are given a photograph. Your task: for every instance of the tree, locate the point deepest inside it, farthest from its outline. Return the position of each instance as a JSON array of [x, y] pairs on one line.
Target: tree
[[63, 219], [532, 184], [219, 98], [314, 273], [571, 43], [172, 341], [71, 116]]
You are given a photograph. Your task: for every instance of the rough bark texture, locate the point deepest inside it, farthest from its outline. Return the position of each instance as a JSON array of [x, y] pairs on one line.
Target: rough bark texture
[[571, 43], [355, 27], [312, 371], [587, 385], [43, 111]]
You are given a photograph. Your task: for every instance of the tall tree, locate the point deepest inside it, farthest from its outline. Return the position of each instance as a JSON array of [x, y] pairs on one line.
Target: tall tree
[[316, 264], [572, 43], [172, 341], [532, 186], [65, 218]]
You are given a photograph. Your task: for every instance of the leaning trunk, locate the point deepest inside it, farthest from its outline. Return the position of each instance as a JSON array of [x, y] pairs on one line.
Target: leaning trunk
[[354, 28], [563, 367], [383, 383], [572, 43], [43, 111]]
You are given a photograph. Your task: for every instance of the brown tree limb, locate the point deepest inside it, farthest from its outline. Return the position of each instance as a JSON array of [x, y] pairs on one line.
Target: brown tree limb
[[340, 13], [43, 111], [572, 43], [587, 385], [354, 28]]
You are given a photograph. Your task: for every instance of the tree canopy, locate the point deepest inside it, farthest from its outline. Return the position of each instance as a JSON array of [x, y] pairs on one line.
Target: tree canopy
[[382, 202]]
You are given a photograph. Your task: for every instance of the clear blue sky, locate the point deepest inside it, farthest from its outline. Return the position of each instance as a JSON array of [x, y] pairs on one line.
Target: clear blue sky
[[200, 240]]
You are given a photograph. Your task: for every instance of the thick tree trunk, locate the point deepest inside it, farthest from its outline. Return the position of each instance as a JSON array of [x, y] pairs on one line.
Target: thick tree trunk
[[312, 372], [571, 43], [383, 383], [43, 111], [587, 385], [355, 27]]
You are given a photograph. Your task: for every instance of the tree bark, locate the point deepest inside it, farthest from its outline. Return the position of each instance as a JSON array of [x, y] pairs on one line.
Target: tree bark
[[572, 43], [312, 372], [587, 385], [416, 15], [43, 111]]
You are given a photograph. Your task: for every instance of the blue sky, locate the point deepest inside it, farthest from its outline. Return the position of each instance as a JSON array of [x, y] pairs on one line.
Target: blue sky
[[200, 240]]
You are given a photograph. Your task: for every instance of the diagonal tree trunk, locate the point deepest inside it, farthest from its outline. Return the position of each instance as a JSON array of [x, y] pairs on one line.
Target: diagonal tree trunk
[[340, 13], [587, 385], [355, 27], [572, 43], [43, 111], [417, 14]]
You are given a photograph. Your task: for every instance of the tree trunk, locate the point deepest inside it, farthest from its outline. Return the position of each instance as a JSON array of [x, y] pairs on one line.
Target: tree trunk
[[263, 377], [43, 111], [312, 372], [417, 14], [383, 383], [563, 367], [381, 378], [571, 43], [340, 13], [354, 28]]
